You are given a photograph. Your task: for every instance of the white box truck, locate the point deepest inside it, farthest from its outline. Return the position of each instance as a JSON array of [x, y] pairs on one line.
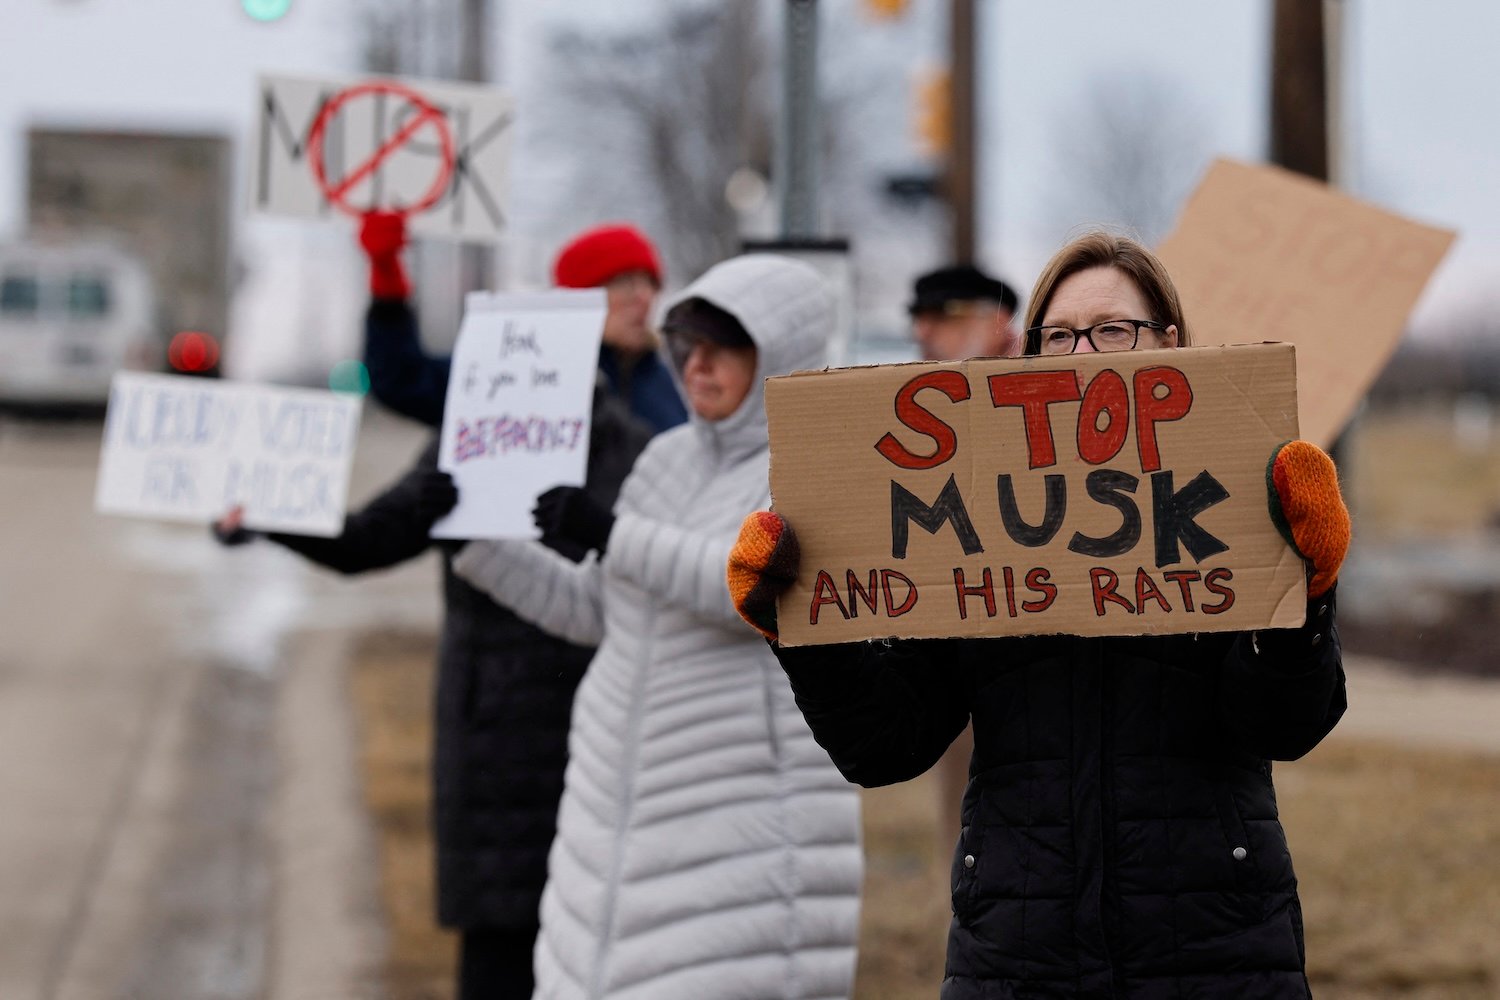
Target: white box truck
[[71, 315]]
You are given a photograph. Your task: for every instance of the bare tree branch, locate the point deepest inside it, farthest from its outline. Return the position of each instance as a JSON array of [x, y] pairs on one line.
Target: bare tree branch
[[1130, 156], [688, 92]]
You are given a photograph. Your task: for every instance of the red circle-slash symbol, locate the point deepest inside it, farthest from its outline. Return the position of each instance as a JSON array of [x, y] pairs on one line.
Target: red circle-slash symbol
[[426, 115]]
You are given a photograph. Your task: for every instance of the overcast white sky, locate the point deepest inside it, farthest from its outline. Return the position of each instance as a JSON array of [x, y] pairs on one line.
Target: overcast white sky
[[184, 64], [1421, 98], [1419, 104]]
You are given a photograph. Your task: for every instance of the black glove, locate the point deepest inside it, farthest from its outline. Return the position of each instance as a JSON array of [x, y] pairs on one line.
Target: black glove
[[234, 536], [569, 512], [436, 496], [229, 530]]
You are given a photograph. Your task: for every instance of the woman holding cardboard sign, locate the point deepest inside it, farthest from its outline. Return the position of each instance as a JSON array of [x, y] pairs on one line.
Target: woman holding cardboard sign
[[706, 847], [1119, 832]]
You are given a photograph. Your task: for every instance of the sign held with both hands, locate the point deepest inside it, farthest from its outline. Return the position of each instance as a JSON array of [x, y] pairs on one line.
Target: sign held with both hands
[[519, 407], [1099, 494]]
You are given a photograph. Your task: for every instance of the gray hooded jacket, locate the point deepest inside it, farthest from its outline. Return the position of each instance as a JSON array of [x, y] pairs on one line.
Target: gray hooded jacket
[[706, 846]]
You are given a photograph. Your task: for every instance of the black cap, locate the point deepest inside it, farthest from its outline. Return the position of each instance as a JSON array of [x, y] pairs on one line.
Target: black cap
[[702, 318], [961, 283]]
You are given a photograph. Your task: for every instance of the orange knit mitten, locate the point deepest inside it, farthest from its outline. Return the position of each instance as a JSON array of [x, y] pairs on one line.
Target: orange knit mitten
[[762, 564], [1308, 510]]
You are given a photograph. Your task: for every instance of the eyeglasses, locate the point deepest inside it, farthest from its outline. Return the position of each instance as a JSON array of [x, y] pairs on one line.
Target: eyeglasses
[[1114, 335], [681, 343]]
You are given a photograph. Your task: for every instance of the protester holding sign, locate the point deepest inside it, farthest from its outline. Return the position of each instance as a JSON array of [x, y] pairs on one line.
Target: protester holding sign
[[618, 259], [958, 312], [1119, 833], [504, 687], [497, 768], [187, 448], [706, 846]]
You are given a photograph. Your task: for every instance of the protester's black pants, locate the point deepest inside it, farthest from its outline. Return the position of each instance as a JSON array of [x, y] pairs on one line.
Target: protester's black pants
[[495, 964]]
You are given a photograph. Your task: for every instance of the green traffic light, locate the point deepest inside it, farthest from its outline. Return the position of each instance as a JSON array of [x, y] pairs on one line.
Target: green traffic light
[[349, 376], [266, 10]]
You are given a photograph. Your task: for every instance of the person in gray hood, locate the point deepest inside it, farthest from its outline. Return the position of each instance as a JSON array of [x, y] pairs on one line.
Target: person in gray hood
[[706, 846]]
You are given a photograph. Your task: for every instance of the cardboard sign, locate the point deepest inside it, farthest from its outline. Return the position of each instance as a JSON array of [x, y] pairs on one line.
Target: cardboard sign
[[1098, 494], [188, 449], [435, 151], [519, 408], [1261, 253]]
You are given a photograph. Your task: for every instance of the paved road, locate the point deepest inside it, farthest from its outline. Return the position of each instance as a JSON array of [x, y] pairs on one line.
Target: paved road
[[1434, 712], [179, 813]]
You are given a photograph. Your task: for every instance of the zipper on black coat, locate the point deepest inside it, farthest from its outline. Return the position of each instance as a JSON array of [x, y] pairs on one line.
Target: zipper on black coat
[[1109, 903], [1088, 776]]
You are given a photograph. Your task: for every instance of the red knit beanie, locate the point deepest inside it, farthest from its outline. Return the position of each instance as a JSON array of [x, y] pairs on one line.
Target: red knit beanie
[[596, 255]]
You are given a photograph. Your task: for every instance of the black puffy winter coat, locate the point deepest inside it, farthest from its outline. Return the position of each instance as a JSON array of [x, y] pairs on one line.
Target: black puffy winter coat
[[504, 696], [1119, 831]]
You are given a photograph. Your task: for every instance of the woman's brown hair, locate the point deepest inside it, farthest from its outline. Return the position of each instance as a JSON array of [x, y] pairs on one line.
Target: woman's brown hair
[[1102, 249]]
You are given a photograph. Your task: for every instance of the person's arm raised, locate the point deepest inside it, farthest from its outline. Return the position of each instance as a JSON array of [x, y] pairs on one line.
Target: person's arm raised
[[403, 377]]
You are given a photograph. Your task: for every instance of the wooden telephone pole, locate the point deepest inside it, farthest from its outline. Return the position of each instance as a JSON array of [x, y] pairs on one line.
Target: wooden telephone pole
[[962, 155], [1299, 88], [1301, 56], [476, 263]]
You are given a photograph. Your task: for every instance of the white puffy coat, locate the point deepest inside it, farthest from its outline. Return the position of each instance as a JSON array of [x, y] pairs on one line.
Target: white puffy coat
[[706, 847]]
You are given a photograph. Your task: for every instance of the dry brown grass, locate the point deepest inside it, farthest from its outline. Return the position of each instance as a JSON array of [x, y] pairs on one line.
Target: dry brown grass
[[1422, 498], [1396, 850], [904, 918], [1407, 475], [392, 690]]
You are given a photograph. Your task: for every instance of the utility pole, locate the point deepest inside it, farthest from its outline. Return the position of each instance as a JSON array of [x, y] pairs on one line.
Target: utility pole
[[959, 180], [476, 263], [796, 173], [1299, 90], [797, 148], [1335, 30], [473, 47], [1301, 58]]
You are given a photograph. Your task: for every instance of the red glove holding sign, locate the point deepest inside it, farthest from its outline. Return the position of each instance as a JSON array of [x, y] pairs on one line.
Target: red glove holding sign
[[1308, 509], [382, 235]]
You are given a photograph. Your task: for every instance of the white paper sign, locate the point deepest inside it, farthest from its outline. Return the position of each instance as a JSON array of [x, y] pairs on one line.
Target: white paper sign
[[188, 449], [325, 147], [520, 398]]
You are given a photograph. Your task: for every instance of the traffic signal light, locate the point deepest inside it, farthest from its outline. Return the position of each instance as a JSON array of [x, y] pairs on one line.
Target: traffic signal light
[[266, 10], [886, 9], [193, 352], [349, 376], [934, 113]]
